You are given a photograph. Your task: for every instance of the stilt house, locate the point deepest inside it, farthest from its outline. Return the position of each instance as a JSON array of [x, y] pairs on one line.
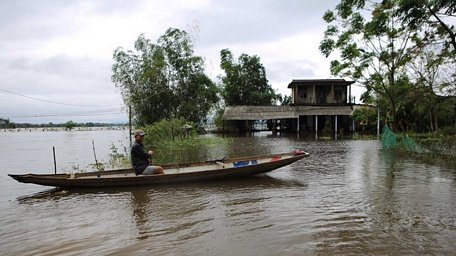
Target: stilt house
[[318, 105]]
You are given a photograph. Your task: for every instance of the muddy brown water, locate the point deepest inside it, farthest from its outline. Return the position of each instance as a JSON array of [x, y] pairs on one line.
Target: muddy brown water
[[349, 197]]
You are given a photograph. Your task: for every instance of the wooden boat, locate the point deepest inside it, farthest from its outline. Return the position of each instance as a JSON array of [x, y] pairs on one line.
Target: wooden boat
[[209, 170]]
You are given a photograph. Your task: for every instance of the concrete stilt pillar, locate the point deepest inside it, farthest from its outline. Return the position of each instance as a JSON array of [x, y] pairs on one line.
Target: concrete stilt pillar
[[335, 128], [298, 125], [274, 126]]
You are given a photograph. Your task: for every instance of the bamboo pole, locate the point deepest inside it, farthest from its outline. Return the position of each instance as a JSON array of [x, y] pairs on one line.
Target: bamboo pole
[[55, 162], [129, 125]]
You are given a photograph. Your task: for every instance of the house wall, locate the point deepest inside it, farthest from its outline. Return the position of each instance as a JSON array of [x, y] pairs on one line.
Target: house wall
[[304, 95], [340, 94], [319, 95]]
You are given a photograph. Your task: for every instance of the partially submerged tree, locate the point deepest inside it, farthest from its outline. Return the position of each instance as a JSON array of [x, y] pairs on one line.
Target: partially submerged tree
[[70, 125], [164, 79]]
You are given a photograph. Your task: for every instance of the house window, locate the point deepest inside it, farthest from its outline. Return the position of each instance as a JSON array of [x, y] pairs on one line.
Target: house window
[[338, 94], [302, 96]]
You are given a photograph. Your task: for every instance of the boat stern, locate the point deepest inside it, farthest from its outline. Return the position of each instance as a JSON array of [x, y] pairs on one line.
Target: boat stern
[[299, 152]]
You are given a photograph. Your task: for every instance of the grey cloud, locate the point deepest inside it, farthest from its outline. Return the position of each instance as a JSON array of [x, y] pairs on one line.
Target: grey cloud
[[249, 21], [109, 7], [289, 71], [30, 20], [57, 74], [283, 72], [58, 64]]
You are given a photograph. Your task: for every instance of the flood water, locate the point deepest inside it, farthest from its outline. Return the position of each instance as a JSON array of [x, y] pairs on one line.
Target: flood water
[[348, 197]]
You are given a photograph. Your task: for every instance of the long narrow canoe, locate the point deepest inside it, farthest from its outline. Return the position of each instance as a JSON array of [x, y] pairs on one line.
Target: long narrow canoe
[[210, 170]]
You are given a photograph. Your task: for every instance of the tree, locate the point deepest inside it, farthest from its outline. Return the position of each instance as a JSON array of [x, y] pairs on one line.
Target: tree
[[373, 52], [284, 100], [366, 117], [6, 123], [245, 82], [433, 69], [435, 79], [164, 79], [70, 125], [417, 13]]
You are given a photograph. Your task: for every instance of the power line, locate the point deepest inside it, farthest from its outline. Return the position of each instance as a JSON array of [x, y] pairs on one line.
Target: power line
[[111, 111], [59, 115], [108, 111], [55, 102]]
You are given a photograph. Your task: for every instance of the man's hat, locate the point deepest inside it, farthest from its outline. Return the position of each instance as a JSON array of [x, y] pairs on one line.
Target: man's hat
[[139, 133]]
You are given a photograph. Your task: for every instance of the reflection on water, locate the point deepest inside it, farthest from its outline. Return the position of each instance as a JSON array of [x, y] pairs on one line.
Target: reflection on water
[[349, 197], [139, 204]]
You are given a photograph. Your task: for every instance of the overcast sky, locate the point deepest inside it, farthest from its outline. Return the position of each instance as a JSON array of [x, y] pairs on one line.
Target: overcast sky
[[56, 56]]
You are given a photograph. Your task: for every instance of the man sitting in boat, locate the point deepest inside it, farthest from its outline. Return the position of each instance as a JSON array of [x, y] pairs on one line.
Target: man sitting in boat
[[140, 158]]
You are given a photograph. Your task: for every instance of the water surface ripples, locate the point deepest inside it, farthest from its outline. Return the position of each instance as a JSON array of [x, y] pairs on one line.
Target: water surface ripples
[[349, 197]]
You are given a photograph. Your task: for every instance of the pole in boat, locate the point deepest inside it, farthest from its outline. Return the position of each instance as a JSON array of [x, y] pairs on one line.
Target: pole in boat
[[95, 155], [129, 125], [55, 163]]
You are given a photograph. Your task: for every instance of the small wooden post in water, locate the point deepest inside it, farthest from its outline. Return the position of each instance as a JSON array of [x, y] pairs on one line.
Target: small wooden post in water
[[55, 163]]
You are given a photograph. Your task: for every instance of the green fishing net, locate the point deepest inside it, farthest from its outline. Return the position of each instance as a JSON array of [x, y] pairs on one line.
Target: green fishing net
[[391, 140], [409, 144]]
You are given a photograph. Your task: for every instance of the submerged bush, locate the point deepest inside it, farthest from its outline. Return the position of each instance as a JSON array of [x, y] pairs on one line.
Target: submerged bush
[[117, 159], [171, 139], [176, 131]]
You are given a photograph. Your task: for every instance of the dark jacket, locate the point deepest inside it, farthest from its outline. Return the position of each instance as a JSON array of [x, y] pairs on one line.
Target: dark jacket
[[139, 158]]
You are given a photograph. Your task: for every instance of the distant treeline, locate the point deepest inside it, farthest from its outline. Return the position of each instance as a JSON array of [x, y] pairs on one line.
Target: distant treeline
[[7, 124]]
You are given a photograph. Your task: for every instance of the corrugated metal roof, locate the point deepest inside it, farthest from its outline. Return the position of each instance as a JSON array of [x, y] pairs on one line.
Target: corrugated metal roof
[[318, 82], [282, 112]]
